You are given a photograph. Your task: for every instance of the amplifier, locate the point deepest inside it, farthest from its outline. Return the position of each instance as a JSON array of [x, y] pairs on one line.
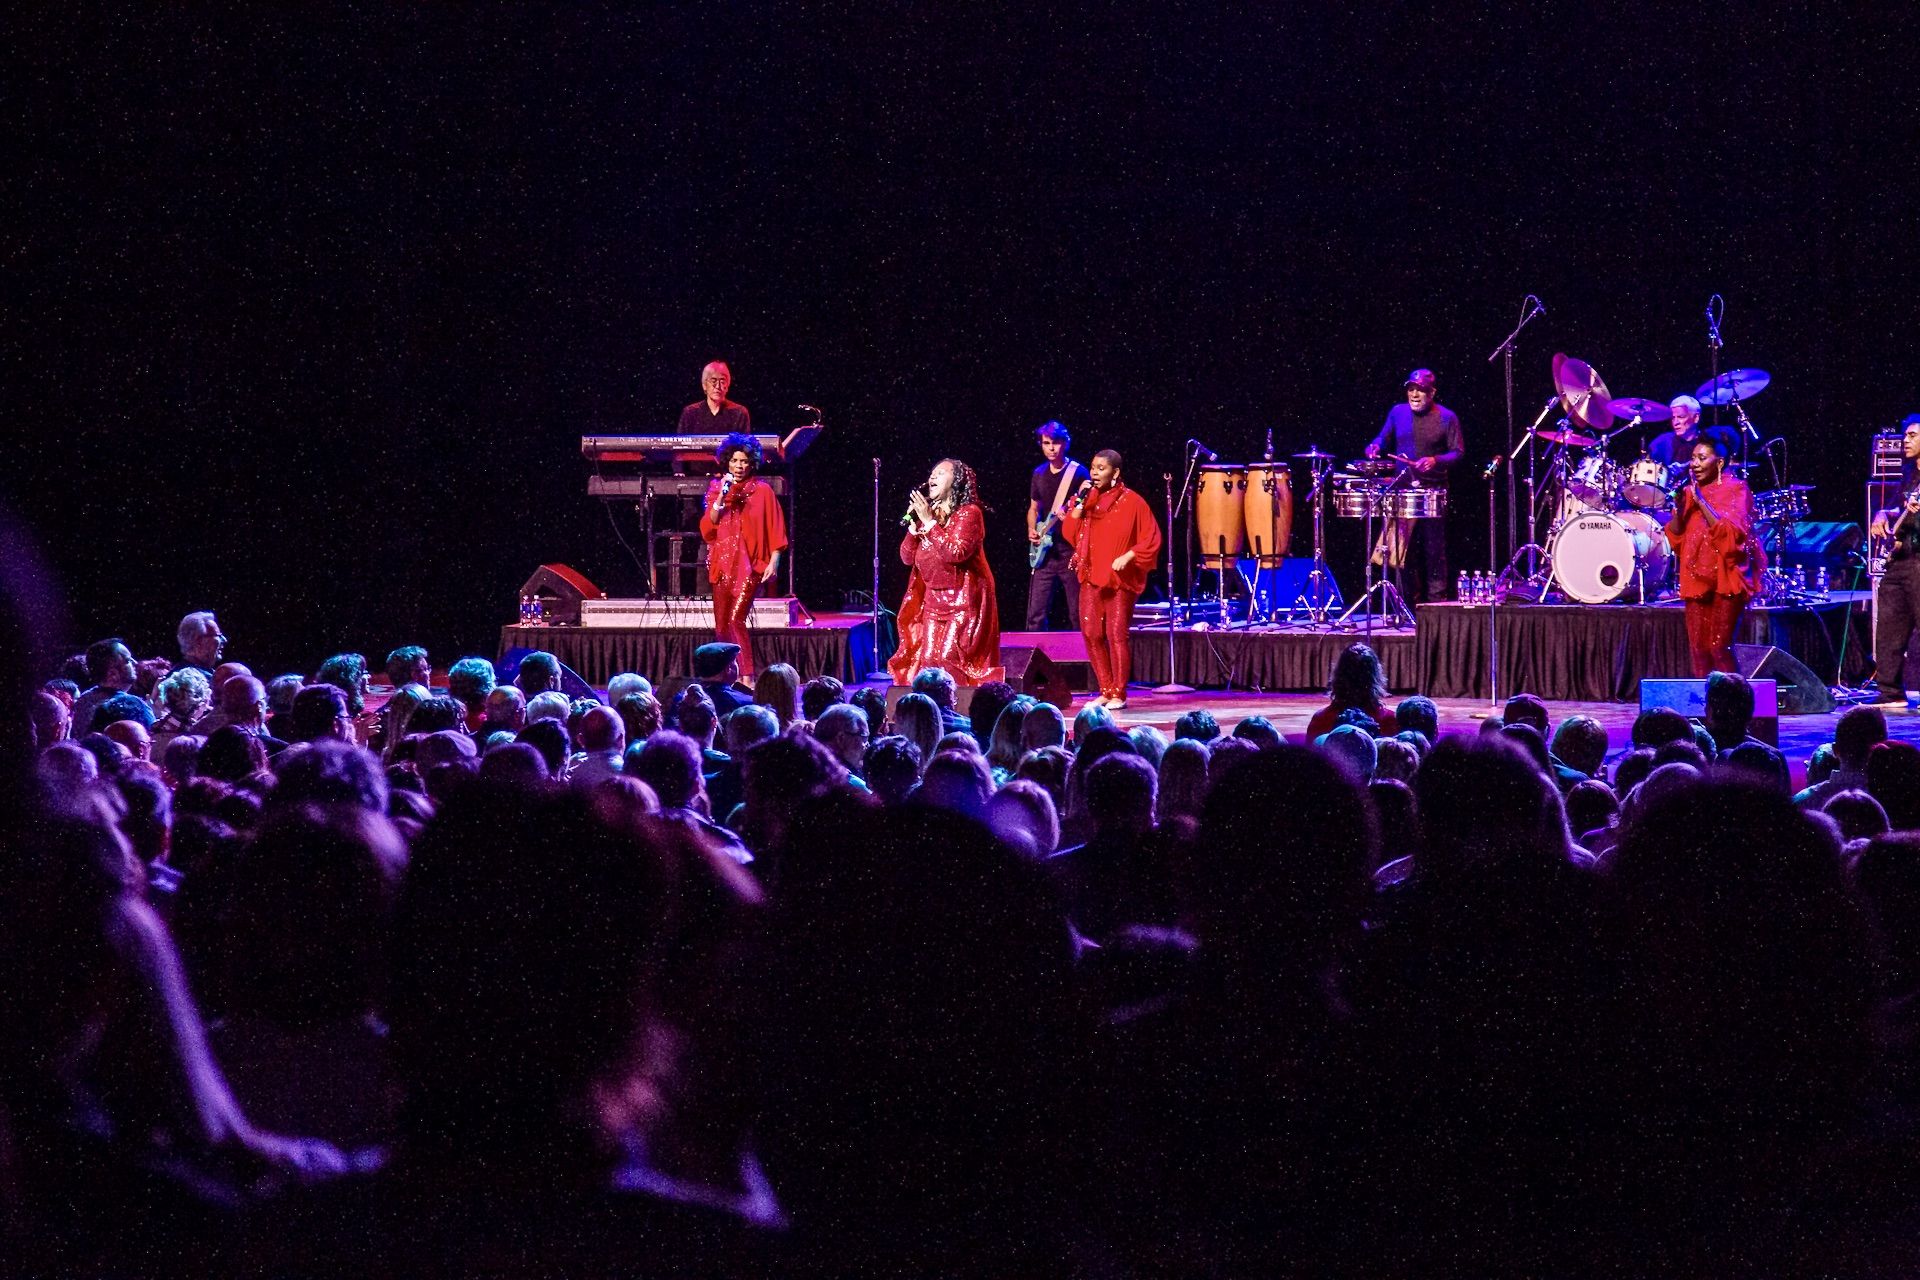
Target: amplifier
[[686, 613], [1886, 455]]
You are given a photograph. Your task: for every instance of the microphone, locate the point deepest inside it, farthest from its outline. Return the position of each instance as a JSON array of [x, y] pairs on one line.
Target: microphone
[[1269, 444], [1080, 494], [1713, 320], [909, 519], [807, 408], [1493, 468], [1539, 307], [1203, 451]]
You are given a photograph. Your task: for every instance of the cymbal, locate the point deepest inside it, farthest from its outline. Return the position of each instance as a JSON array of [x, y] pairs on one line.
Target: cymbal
[[1734, 385], [1582, 391], [1572, 439], [1375, 468], [1639, 407], [1315, 455]]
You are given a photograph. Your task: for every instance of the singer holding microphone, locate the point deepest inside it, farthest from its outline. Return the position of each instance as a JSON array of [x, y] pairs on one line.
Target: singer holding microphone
[[745, 531], [1115, 542], [950, 617], [1721, 562]]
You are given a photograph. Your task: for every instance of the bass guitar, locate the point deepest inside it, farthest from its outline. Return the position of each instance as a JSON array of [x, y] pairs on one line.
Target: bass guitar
[[1905, 529]]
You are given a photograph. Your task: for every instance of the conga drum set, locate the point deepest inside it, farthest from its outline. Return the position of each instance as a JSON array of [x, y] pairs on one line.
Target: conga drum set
[[1239, 508]]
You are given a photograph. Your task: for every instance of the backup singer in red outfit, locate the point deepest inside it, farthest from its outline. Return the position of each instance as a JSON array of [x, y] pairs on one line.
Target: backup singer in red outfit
[[1720, 560], [951, 615], [1115, 542], [745, 531]]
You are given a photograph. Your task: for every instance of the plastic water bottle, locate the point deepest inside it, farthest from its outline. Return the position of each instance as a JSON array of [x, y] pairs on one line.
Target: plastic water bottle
[[524, 611], [1460, 589], [1822, 583]]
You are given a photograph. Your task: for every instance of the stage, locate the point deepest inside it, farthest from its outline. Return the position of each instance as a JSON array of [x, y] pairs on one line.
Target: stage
[[1593, 653]]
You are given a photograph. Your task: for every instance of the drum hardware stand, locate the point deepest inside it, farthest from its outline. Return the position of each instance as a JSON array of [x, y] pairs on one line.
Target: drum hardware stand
[[1316, 596], [1530, 307], [1390, 598], [1173, 685]]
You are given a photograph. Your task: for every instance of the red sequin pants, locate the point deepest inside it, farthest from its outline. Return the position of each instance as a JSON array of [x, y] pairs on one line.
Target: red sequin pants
[[732, 600], [1710, 623], [1105, 615]]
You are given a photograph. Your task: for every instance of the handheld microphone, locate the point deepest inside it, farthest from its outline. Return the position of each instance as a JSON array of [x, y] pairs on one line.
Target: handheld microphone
[[909, 519], [1080, 494], [1203, 451]]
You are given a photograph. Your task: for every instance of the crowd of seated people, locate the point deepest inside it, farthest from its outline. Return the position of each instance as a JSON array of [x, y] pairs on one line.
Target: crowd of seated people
[[305, 977]]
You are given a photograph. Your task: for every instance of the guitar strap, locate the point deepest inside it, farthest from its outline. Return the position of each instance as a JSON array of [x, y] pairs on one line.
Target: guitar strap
[[1066, 485]]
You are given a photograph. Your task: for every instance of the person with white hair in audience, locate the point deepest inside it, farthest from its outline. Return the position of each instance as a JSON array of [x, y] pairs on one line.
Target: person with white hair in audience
[[550, 705], [185, 696], [201, 642]]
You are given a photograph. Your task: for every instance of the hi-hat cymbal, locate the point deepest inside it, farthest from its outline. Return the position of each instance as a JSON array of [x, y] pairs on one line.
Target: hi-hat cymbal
[[1734, 385], [1640, 407], [1583, 392], [1315, 455], [1572, 439]]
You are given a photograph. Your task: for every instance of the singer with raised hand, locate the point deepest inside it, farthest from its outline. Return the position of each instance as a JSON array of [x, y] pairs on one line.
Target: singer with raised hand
[[1428, 434], [745, 531], [1116, 541], [1721, 562], [950, 617]]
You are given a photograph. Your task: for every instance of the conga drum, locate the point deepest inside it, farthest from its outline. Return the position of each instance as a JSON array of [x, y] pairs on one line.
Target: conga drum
[[1219, 502], [1269, 512]]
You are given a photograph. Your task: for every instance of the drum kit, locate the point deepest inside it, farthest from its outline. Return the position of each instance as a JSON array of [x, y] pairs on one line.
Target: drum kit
[[1604, 519]]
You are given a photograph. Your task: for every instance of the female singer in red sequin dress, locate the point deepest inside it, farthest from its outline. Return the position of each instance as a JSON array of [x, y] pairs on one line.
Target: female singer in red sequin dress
[[1721, 562], [951, 615], [745, 532]]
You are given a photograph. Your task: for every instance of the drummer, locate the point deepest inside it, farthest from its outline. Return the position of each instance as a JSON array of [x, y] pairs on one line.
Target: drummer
[[1428, 433], [1672, 449]]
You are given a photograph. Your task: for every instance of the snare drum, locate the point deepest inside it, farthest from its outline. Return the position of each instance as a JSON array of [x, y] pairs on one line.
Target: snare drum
[[1219, 497], [1646, 485], [1600, 556], [1417, 503], [1355, 495], [1269, 510]]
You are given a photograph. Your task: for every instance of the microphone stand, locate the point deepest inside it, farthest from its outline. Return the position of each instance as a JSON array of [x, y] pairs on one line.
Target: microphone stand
[[1527, 313], [1173, 684], [1186, 492], [874, 600]]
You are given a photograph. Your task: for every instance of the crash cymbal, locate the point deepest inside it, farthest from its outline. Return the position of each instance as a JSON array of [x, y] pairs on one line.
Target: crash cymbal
[[1583, 392], [1640, 407], [1572, 439], [1734, 385], [1315, 455]]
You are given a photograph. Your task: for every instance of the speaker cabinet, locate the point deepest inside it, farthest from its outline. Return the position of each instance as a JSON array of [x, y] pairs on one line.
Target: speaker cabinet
[[1802, 693], [561, 589]]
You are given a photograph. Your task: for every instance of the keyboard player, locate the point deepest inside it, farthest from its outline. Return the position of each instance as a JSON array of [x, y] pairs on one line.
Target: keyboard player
[[715, 415]]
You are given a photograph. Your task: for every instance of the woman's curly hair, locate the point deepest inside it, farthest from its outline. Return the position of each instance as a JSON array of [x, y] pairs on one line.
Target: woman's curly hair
[[966, 485], [738, 442]]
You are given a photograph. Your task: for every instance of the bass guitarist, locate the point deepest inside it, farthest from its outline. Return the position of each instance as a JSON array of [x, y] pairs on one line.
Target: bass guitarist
[[1898, 617], [1055, 481]]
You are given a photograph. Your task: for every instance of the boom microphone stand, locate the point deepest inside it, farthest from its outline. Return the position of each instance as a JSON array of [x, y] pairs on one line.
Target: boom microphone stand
[[1530, 307], [875, 599]]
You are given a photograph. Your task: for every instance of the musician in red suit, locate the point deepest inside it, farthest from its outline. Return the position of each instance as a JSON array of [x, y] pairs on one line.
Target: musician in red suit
[[1115, 542], [1721, 562], [951, 615], [745, 531]]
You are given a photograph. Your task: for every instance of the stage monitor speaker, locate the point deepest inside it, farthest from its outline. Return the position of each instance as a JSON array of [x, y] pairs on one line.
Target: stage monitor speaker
[[1689, 698], [562, 589], [1802, 693], [507, 670], [1822, 544], [1032, 672]]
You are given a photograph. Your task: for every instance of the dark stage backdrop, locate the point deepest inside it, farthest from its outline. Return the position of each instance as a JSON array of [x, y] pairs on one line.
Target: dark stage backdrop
[[306, 311]]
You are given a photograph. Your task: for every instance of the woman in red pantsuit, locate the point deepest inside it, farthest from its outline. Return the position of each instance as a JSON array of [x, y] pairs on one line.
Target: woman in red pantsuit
[[951, 615], [745, 532], [1115, 542], [1720, 560]]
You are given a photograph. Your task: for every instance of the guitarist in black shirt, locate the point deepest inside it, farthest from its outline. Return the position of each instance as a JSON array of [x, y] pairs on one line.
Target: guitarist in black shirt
[[1055, 481], [1899, 600]]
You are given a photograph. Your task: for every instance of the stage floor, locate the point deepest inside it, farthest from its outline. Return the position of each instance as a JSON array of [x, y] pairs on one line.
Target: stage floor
[[1289, 712]]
